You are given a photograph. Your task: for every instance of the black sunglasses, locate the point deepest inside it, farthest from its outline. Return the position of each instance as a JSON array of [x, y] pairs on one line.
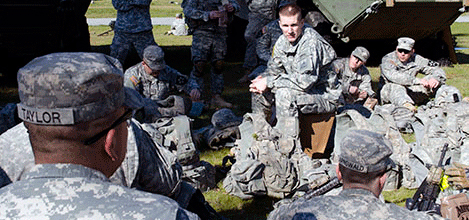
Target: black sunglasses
[[403, 51], [126, 116]]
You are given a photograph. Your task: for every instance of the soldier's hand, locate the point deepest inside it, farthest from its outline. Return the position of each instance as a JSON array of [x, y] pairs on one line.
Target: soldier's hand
[[433, 83], [363, 95], [258, 85], [195, 95], [229, 8], [457, 176], [353, 90], [215, 14]]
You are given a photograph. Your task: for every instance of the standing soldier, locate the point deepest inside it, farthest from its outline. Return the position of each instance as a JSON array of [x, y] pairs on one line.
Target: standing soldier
[[133, 28], [209, 20], [261, 12]]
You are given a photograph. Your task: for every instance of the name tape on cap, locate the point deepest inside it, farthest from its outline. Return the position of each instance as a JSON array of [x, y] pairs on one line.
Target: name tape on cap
[[46, 116]]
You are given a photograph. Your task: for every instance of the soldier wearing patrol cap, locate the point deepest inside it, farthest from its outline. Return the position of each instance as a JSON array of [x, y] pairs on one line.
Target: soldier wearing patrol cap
[[75, 108], [363, 161], [354, 76], [155, 80], [399, 83]]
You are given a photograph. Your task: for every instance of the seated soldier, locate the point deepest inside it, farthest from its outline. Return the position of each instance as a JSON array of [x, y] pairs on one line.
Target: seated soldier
[[78, 133], [363, 163], [399, 84], [354, 76], [155, 80]]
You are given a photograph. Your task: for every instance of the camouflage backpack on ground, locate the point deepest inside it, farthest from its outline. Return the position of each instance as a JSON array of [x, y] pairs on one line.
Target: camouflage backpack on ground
[[266, 164], [175, 134]]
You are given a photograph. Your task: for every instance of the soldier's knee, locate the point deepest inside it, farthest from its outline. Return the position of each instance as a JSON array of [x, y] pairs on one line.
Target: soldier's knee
[[199, 68], [218, 66]]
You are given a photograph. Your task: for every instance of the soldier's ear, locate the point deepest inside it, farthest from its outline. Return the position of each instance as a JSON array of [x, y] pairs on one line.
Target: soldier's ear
[[111, 144]]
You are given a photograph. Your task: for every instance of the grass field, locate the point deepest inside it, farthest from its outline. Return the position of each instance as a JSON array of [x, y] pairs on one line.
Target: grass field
[[177, 50]]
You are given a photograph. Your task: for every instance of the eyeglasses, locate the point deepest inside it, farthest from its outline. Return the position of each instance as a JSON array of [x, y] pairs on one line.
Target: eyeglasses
[[126, 116], [403, 51]]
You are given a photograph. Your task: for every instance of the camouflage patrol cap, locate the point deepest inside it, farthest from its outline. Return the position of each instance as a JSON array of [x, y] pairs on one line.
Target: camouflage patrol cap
[[361, 53], [365, 151], [70, 88], [405, 43], [153, 56], [225, 118]]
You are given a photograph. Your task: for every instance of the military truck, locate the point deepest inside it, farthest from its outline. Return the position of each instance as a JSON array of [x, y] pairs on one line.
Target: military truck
[[377, 24], [31, 28]]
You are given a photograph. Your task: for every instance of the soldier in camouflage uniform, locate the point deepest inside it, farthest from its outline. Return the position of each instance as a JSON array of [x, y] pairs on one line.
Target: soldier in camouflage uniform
[[293, 75], [265, 45], [398, 82], [133, 28], [354, 76], [261, 12], [153, 79], [209, 21], [78, 133], [363, 162]]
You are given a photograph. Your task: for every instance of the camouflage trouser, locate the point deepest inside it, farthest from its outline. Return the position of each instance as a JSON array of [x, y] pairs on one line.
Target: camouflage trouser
[[209, 46], [286, 110], [122, 43], [253, 31], [399, 95]]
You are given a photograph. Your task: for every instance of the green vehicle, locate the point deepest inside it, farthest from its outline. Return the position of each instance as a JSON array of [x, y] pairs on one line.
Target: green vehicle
[[377, 24]]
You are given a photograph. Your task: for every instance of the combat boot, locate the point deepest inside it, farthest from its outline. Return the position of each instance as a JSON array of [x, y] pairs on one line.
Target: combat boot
[[217, 101]]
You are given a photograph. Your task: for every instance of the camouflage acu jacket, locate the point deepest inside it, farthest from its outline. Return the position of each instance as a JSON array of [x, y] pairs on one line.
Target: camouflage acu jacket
[[361, 78], [296, 66], [349, 204], [158, 88], [394, 71], [70, 191]]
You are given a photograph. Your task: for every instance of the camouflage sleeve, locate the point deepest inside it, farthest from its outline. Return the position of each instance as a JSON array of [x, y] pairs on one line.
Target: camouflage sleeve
[[132, 80], [366, 83], [391, 72], [191, 10], [181, 81], [434, 72], [274, 68], [264, 44], [158, 172]]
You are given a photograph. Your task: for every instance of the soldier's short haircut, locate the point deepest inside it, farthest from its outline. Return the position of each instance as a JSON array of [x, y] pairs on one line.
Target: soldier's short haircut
[[352, 176], [291, 9]]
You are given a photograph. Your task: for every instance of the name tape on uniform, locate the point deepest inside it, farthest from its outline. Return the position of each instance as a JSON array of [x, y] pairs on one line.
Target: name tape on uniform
[[46, 116]]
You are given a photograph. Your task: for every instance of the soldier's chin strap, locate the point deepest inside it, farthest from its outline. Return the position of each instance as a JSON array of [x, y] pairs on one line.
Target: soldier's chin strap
[[199, 206]]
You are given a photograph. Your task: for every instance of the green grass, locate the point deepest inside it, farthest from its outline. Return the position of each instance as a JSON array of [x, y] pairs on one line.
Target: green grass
[[177, 50]]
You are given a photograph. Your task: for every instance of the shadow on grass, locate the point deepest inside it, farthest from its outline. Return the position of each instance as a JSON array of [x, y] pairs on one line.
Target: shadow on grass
[[255, 209], [462, 58]]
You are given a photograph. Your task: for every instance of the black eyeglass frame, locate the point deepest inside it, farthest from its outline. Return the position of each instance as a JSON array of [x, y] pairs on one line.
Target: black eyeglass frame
[[126, 116], [403, 51]]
